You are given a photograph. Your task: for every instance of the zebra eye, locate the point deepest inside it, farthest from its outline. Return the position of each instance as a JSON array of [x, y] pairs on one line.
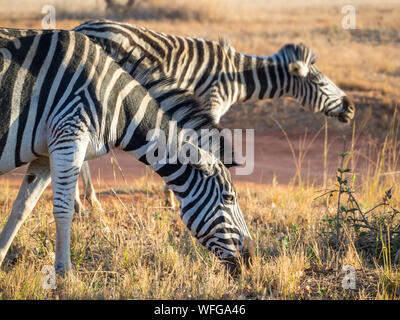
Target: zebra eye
[[228, 198], [315, 78]]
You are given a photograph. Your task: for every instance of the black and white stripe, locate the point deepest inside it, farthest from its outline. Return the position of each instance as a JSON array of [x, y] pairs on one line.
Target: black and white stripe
[[219, 75], [63, 100]]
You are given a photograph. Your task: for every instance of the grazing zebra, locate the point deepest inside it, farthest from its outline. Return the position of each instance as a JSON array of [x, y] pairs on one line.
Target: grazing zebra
[[219, 75], [63, 100]]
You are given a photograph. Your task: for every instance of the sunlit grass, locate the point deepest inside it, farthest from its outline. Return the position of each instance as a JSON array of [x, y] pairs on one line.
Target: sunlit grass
[[147, 253]]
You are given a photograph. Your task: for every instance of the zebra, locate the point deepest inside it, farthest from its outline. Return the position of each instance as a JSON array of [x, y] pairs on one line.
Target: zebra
[[64, 100], [219, 75], [89, 191]]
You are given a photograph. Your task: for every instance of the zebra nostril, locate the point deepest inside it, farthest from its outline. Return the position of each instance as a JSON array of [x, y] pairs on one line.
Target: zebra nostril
[[248, 251], [348, 110], [232, 267], [234, 264], [348, 105]]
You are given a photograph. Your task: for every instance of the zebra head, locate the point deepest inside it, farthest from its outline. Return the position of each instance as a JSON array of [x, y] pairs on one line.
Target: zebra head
[[210, 209], [311, 87]]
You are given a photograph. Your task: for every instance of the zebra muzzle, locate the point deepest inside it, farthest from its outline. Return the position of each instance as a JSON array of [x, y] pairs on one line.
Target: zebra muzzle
[[348, 110], [234, 265]]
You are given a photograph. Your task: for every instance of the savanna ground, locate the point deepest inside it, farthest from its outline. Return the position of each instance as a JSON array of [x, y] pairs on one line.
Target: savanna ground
[[139, 249]]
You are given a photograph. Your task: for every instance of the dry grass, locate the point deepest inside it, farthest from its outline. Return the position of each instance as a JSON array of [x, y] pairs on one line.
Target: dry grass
[[140, 250]]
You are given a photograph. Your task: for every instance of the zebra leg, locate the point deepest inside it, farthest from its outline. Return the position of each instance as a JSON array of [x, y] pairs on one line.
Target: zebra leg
[[169, 197], [36, 179], [78, 206], [89, 192], [66, 160]]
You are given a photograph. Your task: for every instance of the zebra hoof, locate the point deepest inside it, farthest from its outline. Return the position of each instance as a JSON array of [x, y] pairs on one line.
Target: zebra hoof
[[78, 207], [63, 270], [96, 205], [84, 213], [92, 199]]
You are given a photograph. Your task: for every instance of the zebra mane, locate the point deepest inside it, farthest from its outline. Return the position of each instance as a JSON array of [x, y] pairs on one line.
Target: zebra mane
[[186, 108], [299, 52], [225, 43]]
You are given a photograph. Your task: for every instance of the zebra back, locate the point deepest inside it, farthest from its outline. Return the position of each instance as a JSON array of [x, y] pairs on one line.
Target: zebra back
[[192, 62]]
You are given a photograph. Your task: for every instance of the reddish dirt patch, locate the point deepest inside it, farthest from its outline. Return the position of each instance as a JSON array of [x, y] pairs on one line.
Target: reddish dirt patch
[[272, 157]]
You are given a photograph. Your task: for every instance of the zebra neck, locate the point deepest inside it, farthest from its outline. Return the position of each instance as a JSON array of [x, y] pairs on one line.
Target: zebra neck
[[260, 77], [174, 173], [181, 178], [177, 176]]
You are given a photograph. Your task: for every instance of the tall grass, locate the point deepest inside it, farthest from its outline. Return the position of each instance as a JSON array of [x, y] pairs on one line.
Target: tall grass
[[139, 249]]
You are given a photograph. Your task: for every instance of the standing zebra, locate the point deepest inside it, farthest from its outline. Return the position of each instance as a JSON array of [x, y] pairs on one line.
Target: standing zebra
[[219, 75], [63, 100], [90, 194]]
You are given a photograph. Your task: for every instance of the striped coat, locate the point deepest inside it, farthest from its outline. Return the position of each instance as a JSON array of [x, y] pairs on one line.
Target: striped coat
[[220, 75], [63, 100]]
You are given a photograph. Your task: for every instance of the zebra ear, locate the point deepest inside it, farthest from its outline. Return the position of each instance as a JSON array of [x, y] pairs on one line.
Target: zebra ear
[[231, 165], [298, 68], [198, 158]]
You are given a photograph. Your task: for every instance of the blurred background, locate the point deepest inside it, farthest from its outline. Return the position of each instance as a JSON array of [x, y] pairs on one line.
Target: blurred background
[[363, 61]]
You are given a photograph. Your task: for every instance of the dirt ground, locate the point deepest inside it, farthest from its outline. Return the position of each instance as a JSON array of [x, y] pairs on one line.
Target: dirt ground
[[273, 162]]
